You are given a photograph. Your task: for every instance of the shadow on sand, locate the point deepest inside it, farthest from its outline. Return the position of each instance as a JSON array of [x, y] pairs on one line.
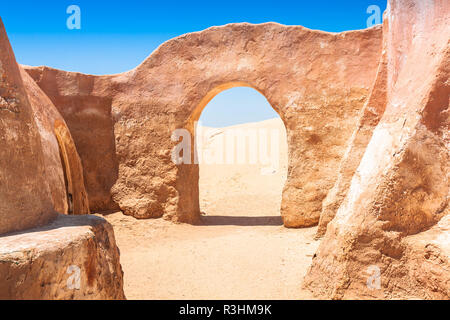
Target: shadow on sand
[[241, 221]]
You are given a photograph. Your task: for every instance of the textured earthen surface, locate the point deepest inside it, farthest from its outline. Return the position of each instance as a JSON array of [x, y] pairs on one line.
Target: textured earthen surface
[[73, 170], [39, 168], [89, 119], [317, 82], [394, 218], [371, 114], [63, 169], [74, 257], [367, 123], [25, 200], [44, 115]]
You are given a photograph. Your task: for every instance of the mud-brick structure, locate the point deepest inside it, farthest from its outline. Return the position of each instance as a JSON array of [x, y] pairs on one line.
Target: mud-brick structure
[[44, 253], [390, 236], [316, 81], [367, 121]]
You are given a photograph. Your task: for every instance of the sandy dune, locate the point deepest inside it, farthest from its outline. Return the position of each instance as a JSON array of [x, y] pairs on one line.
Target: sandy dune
[[240, 251]]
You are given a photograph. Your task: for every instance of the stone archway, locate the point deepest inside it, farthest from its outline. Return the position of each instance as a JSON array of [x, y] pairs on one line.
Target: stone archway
[[73, 171], [195, 115], [192, 170], [286, 65], [318, 83]]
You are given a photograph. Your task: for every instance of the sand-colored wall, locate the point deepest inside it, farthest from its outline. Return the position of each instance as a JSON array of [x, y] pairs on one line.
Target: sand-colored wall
[[41, 250], [33, 180], [25, 197], [63, 169], [371, 114], [44, 114], [122, 125], [71, 258], [394, 222], [88, 117], [73, 170]]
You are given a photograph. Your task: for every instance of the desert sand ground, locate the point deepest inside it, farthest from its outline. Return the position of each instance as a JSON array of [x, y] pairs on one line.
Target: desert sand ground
[[239, 251]]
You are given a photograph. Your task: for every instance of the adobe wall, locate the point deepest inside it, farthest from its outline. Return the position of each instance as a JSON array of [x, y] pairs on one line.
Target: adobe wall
[[40, 249], [71, 258], [25, 198], [32, 182], [49, 121], [390, 236], [122, 125], [372, 112], [88, 117]]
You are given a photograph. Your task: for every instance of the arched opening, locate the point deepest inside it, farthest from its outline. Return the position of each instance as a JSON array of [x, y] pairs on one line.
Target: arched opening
[[241, 149], [77, 199]]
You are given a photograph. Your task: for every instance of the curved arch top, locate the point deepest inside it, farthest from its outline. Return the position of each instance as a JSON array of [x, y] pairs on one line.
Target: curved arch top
[[196, 113], [316, 81]]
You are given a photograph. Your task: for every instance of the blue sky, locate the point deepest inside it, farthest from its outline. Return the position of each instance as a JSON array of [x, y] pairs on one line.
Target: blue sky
[[236, 106], [116, 36]]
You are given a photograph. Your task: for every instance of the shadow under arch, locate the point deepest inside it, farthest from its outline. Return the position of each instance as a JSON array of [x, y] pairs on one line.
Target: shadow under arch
[[77, 198], [192, 170]]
